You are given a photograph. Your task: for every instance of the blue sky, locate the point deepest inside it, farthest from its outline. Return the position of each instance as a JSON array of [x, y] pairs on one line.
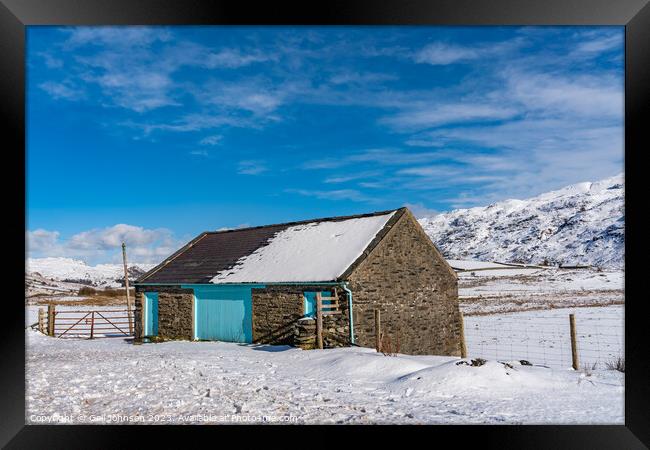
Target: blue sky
[[154, 134]]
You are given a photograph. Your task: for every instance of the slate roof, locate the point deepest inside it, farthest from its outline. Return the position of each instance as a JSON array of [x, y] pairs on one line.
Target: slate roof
[[214, 252]]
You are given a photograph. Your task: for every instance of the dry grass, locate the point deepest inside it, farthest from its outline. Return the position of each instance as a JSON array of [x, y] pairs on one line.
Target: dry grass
[[524, 306], [617, 364], [387, 345], [88, 291], [588, 369], [97, 300]]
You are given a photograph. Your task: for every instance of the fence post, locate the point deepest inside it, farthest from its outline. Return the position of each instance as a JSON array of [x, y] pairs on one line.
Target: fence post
[[129, 308], [574, 342], [463, 346], [51, 312], [377, 330], [319, 321], [92, 325], [41, 320]]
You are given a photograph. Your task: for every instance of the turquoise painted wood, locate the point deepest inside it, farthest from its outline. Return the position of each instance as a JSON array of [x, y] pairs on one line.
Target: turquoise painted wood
[[223, 312], [310, 302], [151, 311]]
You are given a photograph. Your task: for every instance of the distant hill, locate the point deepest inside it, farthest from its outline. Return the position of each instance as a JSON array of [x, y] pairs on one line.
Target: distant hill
[[581, 224], [78, 272]]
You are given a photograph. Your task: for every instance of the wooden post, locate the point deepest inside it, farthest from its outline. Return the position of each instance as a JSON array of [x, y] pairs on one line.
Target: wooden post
[[143, 315], [574, 342], [41, 320], [92, 325], [377, 330], [319, 321], [129, 312], [51, 312], [463, 346]]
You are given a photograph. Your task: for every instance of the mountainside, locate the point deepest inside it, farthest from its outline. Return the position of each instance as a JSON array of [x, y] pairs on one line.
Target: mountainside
[[581, 224], [76, 271]]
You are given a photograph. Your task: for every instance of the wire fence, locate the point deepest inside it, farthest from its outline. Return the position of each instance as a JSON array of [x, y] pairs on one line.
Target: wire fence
[[543, 337]]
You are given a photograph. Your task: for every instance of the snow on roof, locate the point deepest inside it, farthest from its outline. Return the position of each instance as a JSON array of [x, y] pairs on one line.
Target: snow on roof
[[315, 251]]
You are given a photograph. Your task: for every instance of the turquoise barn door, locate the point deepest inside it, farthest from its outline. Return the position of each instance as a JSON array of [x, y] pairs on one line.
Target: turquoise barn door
[[310, 302], [224, 313], [151, 314]]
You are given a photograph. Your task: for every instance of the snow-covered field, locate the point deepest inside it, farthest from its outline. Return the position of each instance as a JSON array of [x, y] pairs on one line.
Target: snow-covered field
[[542, 337], [486, 288], [114, 381], [511, 314]]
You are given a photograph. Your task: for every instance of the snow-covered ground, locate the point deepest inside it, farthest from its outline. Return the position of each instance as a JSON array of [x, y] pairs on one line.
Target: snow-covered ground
[[487, 289], [542, 337], [511, 314], [113, 381]]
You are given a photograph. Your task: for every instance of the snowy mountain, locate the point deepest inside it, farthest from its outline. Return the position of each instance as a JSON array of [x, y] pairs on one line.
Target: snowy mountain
[[76, 271], [581, 224]]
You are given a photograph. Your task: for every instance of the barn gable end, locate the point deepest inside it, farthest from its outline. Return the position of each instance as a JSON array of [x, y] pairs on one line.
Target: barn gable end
[[408, 280]]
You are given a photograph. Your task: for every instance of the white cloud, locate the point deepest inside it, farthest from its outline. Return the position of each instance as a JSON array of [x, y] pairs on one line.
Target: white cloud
[[234, 58], [583, 95], [442, 114], [60, 90], [442, 53], [104, 244], [420, 211], [124, 36], [353, 77], [251, 167], [337, 194], [379, 156], [352, 176], [439, 53], [598, 41], [51, 62], [254, 95], [41, 240], [211, 140]]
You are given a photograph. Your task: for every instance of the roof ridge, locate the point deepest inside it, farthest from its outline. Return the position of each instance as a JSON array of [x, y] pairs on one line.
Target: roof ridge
[[300, 222]]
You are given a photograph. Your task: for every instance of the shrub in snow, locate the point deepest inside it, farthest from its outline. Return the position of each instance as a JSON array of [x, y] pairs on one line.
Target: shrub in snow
[[617, 364]]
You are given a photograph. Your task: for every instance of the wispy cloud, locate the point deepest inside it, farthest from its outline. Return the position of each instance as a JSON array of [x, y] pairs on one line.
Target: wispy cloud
[[352, 176], [251, 167], [215, 139], [353, 77], [336, 194], [378, 156], [235, 58], [124, 36], [599, 41], [444, 53], [61, 90], [442, 114]]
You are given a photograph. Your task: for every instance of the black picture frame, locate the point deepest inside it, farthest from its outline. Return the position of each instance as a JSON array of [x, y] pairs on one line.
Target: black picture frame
[[15, 15]]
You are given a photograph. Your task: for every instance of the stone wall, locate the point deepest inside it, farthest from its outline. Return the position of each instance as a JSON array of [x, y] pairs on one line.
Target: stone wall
[[174, 311], [277, 309], [407, 279]]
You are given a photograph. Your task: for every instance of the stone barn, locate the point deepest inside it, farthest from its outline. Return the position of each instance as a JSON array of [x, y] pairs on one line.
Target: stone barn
[[260, 285]]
